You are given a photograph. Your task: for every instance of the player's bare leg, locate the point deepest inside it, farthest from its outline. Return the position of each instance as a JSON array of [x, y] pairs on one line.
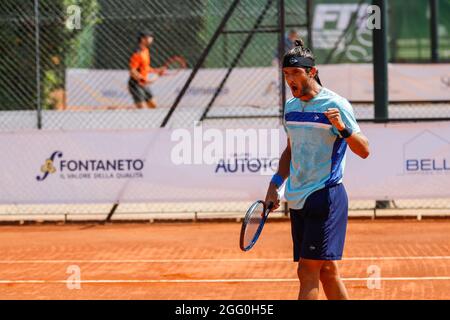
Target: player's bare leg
[[140, 105], [309, 274], [331, 281], [151, 104]]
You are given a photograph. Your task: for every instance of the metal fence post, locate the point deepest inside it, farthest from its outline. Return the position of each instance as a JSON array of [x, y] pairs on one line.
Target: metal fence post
[[380, 65], [281, 48], [38, 65], [309, 18], [434, 30]]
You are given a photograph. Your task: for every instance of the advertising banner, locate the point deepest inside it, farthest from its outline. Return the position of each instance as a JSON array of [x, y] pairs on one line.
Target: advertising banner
[[407, 161], [90, 89]]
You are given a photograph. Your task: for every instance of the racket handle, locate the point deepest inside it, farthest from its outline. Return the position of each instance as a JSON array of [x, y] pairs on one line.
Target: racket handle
[[162, 70], [270, 205]]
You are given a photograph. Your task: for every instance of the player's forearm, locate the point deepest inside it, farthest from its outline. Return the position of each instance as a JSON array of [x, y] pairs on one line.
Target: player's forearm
[[285, 162], [135, 74], [279, 177], [359, 144]]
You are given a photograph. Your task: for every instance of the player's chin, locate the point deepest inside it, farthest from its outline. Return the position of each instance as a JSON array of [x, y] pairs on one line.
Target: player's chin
[[296, 92]]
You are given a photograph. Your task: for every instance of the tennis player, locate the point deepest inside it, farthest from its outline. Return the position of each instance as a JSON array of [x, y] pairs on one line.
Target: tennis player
[[140, 68], [319, 125]]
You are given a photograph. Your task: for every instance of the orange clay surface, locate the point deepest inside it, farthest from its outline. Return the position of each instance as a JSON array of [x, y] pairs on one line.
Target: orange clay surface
[[203, 261]]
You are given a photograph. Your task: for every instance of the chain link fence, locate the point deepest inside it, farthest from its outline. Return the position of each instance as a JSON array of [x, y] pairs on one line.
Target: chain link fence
[[73, 56], [64, 66]]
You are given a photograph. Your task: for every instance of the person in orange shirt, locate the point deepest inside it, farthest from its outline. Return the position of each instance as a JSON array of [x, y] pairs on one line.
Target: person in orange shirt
[[140, 68]]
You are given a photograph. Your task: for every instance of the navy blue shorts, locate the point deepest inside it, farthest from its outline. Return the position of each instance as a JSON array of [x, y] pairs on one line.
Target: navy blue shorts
[[318, 229], [138, 92]]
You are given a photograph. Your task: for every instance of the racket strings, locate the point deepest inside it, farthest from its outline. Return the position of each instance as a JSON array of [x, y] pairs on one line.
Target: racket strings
[[256, 215], [174, 64]]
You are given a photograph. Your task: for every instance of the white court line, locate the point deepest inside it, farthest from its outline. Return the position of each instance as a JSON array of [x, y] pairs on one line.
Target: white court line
[[50, 261], [209, 280]]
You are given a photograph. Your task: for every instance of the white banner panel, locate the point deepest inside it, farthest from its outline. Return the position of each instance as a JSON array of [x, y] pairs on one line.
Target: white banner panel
[[100, 88], [130, 166], [407, 161], [88, 88]]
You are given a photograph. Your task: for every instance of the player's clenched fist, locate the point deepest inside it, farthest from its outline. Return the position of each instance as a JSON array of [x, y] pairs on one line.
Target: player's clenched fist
[[334, 116]]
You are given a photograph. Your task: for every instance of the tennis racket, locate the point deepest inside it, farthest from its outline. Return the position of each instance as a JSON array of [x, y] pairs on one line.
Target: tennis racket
[[172, 66], [253, 223]]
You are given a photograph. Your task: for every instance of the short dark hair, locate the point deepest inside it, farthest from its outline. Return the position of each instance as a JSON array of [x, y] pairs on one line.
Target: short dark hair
[[301, 51], [144, 34]]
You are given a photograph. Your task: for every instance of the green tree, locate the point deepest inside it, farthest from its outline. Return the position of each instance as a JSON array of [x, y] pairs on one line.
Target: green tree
[[57, 45]]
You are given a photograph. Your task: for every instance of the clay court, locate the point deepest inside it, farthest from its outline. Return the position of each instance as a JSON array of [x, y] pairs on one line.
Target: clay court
[[203, 261]]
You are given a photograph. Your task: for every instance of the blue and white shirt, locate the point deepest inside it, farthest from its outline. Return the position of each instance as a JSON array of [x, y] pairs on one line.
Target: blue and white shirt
[[317, 149]]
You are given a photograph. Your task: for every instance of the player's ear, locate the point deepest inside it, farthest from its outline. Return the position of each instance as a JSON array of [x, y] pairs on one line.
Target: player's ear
[[313, 72]]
